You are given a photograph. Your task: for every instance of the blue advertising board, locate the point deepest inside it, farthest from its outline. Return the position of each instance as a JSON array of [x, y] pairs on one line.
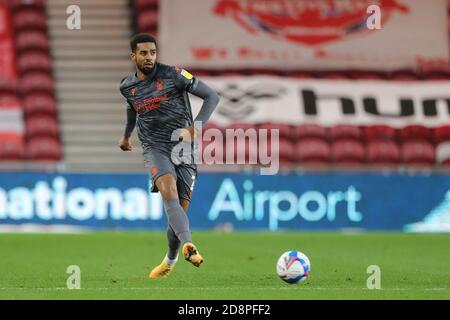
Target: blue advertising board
[[325, 201]]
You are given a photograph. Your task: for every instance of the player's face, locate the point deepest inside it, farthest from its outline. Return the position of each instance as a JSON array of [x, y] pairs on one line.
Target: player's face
[[145, 57]]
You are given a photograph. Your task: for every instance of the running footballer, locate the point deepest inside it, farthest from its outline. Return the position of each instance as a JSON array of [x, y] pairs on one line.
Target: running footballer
[[158, 103]]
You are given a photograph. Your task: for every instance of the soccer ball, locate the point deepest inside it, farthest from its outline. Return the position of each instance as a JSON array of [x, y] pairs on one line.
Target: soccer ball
[[293, 267]]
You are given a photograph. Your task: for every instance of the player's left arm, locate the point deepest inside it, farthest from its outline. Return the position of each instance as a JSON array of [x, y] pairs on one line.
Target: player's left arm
[[185, 81]]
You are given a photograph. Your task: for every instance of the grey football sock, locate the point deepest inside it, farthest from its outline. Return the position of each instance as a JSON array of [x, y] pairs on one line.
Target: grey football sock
[[178, 220], [174, 244]]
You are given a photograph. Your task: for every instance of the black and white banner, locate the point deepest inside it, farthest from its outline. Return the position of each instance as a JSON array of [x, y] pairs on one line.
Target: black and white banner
[[265, 98]]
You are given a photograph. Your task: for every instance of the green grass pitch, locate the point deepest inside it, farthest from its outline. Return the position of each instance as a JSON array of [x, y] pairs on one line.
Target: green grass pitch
[[115, 265]]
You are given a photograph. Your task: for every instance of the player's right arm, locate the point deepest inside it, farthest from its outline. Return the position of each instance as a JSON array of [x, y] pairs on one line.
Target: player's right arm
[[124, 142]]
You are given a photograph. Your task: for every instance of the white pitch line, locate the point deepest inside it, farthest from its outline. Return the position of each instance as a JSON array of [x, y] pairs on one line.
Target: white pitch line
[[226, 288]]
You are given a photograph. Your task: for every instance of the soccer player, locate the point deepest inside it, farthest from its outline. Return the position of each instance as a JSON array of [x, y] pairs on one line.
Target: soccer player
[[157, 96]]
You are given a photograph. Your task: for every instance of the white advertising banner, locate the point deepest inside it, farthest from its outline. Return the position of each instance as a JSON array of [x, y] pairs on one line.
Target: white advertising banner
[[259, 99], [303, 34]]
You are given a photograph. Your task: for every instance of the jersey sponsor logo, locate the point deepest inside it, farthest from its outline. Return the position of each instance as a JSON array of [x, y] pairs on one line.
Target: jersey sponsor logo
[[149, 104], [305, 22]]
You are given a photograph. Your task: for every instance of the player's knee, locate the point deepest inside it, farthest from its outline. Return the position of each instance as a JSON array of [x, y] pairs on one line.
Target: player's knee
[[168, 188]]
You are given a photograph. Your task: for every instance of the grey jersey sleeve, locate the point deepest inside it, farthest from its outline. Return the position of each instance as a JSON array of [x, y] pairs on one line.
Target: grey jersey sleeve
[[131, 121], [209, 96]]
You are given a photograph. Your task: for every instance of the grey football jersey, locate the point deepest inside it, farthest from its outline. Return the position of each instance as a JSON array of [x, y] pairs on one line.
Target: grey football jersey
[[161, 103]]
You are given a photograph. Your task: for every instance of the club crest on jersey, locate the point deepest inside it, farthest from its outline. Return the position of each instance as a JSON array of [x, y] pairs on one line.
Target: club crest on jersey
[[159, 85]]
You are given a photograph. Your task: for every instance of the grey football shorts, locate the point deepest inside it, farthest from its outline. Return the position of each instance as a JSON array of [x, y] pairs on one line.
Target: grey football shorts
[[159, 163]]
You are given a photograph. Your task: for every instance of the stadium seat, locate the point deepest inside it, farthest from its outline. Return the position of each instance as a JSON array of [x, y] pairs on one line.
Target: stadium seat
[[443, 153], [30, 19], [437, 76], [442, 134], [312, 151], [415, 132], [286, 151], [9, 99], [367, 75], [332, 75], [39, 104], [32, 40], [21, 4], [145, 4], [147, 21], [42, 126], [345, 131], [43, 148], [34, 61], [241, 125], [11, 147], [418, 153], [301, 75], [8, 86], [376, 132], [304, 131], [403, 76], [284, 130], [383, 152], [347, 151], [217, 151], [36, 82]]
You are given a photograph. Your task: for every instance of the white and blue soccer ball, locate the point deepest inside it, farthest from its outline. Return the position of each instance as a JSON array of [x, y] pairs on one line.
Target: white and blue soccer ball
[[293, 267]]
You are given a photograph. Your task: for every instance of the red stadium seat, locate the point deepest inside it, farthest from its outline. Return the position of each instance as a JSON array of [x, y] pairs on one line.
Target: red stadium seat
[[332, 75], [418, 153], [437, 76], [241, 125], [39, 104], [383, 152], [442, 134], [404, 76], [9, 99], [8, 86], [147, 21], [367, 75], [286, 151], [214, 149], [415, 132], [375, 132], [284, 130], [43, 148], [302, 75], [312, 151], [345, 131], [304, 131], [37, 82], [11, 147], [34, 61], [32, 40], [21, 4], [145, 4], [42, 126], [348, 151], [30, 19], [443, 153]]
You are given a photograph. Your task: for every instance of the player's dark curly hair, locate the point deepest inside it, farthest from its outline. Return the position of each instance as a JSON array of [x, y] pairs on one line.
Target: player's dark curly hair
[[141, 38]]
